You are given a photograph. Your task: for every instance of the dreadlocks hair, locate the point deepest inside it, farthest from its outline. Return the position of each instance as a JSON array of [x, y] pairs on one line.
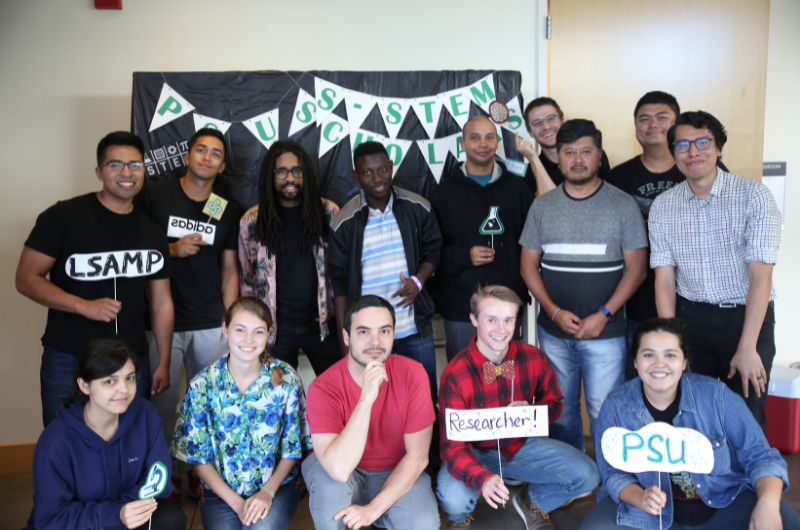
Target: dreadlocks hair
[[314, 220]]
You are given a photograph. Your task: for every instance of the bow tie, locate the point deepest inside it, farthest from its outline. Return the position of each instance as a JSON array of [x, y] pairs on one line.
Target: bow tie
[[491, 372]]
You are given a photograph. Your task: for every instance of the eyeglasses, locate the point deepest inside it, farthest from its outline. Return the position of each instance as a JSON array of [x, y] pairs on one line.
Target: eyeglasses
[[282, 172], [550, 120], [703, 143], [116, 165]]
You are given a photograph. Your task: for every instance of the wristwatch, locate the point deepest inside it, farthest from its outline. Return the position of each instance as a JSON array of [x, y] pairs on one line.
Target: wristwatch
[[607, 313]]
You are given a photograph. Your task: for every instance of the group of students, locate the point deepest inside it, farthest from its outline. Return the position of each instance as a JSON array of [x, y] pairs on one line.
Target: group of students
[[346, 286]]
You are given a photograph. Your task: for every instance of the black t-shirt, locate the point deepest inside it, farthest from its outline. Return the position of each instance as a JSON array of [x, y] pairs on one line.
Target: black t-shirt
[[195, 285], [295, 274], [644, 186], [687, 506], [555, 172], [92, 245]]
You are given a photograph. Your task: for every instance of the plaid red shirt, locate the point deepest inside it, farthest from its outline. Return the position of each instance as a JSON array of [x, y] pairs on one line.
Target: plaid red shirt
[[463, 389]]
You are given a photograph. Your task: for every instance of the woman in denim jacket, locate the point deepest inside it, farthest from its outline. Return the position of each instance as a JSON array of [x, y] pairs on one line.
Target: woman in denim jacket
[[746, 470]]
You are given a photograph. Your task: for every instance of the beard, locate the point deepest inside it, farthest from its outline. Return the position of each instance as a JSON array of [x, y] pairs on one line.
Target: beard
[[362, 360], [287, 197], [580, 181]]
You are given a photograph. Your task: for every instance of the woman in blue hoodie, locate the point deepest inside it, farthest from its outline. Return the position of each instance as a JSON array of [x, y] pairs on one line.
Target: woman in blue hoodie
[[743, 490], [92, 460]]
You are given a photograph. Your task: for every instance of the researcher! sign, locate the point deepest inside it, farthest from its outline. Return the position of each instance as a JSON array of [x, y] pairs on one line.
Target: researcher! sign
[[658, 447], [491, 424]]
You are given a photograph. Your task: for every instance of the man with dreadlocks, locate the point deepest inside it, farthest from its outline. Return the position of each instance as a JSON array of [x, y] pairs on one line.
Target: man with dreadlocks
[[282, 246]]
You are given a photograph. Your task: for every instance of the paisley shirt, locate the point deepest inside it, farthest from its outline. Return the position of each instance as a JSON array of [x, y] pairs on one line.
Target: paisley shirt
[[243, 436], [257, 270]]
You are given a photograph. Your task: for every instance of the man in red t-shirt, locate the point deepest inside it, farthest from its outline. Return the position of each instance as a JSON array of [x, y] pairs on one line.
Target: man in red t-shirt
[[371, 419], [556, 472]]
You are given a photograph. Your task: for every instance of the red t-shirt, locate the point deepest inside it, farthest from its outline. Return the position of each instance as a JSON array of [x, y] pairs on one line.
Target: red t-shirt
[[403, 407]]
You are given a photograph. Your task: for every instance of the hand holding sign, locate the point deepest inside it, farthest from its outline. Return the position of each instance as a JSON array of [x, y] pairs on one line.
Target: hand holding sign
[[188, 245], [155, 482], [102, 309]]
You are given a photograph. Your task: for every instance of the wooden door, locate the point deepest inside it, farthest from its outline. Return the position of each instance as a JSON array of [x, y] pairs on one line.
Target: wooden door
[[710, 54]]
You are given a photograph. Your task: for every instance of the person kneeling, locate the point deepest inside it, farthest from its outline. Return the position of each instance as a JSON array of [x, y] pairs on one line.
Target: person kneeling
[[743, 489], [371, 419], [556, 472], [91, 462], [243, 427]]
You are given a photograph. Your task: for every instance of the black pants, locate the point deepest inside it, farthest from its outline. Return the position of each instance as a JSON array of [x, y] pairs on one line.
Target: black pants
[[293, 337], [713, 335], [167, 516]]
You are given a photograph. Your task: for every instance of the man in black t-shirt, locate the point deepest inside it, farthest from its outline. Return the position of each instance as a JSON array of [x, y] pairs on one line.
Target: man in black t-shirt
[[101, 254], [282, 245], [645, 177], [543, 118], [203, 248]]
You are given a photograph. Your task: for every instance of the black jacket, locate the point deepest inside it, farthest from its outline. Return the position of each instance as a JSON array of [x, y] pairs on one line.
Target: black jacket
[[461, 206], [421, 239]]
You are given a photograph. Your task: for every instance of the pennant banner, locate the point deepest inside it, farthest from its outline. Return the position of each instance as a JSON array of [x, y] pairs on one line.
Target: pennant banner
[[170, 106], [204, 122], [482, 93], [428, 111], [358, 105], [454, 143], [435, 153], [332, 131], [457, 104], [304, 114], [397, 149], [328, 98], [516, 121], [393, 112], [264, 127]]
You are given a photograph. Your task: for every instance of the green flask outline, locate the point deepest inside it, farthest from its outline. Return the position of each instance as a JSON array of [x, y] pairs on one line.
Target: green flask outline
[[492, 225]]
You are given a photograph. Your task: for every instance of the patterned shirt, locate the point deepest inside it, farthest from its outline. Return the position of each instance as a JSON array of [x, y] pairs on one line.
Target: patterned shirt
[[383, 258], [711, 241], [257, 270], [243, 436], [463, 389]]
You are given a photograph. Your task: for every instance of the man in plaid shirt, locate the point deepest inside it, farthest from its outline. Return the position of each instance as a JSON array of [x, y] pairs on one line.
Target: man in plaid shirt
[[557, 473], [714, 241]]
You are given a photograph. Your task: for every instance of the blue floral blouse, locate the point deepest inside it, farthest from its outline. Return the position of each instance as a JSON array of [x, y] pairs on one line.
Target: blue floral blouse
[[243, 436]]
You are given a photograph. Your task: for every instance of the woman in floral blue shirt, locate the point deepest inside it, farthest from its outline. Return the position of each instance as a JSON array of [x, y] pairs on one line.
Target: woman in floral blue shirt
[[243, 427]]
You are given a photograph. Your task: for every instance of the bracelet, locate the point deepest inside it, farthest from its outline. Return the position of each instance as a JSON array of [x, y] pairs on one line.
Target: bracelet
[[553, 318], [419, 284], [268, 491]]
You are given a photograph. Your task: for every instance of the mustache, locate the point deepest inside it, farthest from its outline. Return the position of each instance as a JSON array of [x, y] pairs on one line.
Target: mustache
[[375, 349]]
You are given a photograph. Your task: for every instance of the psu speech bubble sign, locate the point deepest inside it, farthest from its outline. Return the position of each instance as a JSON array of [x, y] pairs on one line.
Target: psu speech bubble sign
[[490, 424], [658, 447]]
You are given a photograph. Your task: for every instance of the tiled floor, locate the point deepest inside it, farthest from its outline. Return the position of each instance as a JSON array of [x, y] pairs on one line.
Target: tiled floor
[[16, 494]]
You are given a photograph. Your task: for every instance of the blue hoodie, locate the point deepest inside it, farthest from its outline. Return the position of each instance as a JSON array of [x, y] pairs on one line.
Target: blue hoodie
[[82, 481]]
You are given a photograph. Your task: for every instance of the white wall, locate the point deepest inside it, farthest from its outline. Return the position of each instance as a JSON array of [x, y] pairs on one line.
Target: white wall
[[65, 81], [782, 115]]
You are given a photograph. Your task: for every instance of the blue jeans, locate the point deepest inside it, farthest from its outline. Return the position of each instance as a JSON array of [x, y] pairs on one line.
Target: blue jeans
[[57, 380], [555, 473], [416, 510], [601, 365], [217, 515], [457, 336]]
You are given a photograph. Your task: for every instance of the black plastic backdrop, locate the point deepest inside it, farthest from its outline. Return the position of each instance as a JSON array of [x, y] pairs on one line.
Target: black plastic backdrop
[[239, 96]]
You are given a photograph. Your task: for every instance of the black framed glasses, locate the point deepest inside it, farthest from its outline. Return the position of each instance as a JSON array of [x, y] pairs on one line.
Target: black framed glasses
[[549, 120], [702, 144], [118, 165], [282, 172]]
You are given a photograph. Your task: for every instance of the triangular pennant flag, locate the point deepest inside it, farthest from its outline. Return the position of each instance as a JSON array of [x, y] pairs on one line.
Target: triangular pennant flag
[[393, 112], [305, 112], [359, 105], [482, 92], [170, 106], [457, 104], [333, 130], [397, 149], [516, 121], [328, 97], [435, 153], [428, 111], [454, 143], [359, 136], [264, 127], [205, 122]]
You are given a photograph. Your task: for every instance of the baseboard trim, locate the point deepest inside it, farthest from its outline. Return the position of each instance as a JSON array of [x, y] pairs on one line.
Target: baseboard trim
[[17, 458]]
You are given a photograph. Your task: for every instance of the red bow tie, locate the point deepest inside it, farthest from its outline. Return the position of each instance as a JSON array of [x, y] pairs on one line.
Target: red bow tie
[[490, 371]]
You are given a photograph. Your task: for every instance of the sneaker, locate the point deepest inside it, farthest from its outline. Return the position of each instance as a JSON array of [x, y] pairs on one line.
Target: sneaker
[[512, 483], [176, 489], [534, 518], [464, 524], [576, 498], [195, 484]]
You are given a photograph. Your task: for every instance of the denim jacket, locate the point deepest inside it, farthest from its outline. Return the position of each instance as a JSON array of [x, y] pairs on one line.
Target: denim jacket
[[741, 452]]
